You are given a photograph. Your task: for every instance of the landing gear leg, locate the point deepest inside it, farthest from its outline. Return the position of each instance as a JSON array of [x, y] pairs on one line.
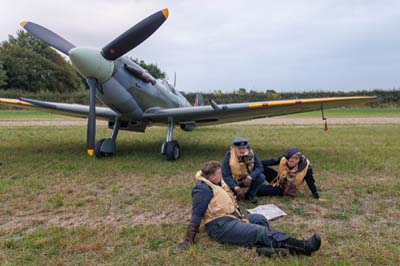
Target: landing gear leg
[[170, 148], [107, 147]]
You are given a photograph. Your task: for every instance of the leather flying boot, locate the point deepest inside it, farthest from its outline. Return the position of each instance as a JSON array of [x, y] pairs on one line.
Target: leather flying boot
[[270, 251], [305, 247], [251, 198]]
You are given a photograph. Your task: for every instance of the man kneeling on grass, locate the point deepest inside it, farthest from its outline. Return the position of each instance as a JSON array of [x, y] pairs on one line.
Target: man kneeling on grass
[[214, 203]]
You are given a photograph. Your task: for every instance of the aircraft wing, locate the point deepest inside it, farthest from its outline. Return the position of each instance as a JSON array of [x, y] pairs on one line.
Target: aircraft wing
[[225, 113], [76, 110]]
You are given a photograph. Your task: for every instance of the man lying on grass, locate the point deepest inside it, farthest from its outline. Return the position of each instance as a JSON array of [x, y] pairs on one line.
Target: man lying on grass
[[214, 203]]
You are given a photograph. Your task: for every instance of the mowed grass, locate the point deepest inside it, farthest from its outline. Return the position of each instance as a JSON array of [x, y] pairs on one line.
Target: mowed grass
[[60, 207], [353, 112], [7, 115]]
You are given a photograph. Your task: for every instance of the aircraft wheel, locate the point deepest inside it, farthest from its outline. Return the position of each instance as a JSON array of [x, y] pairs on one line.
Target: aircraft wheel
[[163, 147], [97, 149], [172, 150], [98, 152]]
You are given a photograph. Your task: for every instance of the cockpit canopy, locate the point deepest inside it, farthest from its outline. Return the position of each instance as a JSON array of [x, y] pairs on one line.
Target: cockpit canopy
[[168, 86]]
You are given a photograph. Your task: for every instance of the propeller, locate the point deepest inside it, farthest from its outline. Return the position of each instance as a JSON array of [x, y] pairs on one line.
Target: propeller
[[91, 128], [48, 37], [134, 36], [97, 66]]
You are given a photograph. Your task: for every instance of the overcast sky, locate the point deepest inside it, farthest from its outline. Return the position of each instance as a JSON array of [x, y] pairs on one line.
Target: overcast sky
[[259, 45]]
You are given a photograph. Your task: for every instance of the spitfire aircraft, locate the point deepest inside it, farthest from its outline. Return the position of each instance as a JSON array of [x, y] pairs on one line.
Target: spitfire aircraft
[[136, 100]]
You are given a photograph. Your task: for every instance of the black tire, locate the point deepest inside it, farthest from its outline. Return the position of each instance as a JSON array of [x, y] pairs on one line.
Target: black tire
[[163, 148], [172, 150], [97, 151]]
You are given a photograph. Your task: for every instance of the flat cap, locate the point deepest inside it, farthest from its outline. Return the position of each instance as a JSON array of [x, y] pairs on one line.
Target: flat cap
[[240, 142], [290, 152]]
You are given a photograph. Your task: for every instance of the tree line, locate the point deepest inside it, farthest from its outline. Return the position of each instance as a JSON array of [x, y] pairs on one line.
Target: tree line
[[31, 65], [385, 97]]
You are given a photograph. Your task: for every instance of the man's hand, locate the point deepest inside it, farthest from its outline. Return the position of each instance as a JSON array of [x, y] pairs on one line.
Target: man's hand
[[247, 181], [239, 193], [190, 235]]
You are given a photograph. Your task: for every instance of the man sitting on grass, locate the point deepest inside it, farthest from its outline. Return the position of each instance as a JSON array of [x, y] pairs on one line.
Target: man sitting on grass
[[241, 168], [214, 203], [294, 168]]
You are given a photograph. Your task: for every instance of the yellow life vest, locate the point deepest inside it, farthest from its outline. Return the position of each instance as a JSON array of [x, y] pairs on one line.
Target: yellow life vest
[[286, 175], [223, 202], [240, 170]]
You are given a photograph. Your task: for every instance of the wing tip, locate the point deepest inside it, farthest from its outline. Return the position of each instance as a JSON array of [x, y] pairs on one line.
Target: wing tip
[[14, 102]]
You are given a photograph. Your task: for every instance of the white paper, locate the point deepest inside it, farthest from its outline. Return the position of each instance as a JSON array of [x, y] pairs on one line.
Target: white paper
[[270, 211]]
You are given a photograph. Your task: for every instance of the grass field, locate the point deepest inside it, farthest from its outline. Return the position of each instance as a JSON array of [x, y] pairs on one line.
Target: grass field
[[60, 207], [341, 112], [354, 112]]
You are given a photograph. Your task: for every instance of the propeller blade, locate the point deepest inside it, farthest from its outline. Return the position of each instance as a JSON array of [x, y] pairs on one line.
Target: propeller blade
[[48, 37], [91, 128], [134, 36]]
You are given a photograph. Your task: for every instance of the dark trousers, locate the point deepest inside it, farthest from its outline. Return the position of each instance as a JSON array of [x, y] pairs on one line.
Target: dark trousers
[[270, 174], [228, 230], [255, 184], [267, 189]]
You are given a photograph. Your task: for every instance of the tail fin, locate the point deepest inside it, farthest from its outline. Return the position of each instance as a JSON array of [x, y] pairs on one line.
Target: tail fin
[[199, 100]]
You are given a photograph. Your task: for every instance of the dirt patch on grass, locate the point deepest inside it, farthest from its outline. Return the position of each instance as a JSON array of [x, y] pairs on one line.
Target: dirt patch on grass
[[116, 202], [86, 218]]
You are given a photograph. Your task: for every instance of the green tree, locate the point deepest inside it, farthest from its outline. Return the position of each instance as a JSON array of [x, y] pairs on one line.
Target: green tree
[[32, 65], [242, 91], [153, 69], [3, 76]]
